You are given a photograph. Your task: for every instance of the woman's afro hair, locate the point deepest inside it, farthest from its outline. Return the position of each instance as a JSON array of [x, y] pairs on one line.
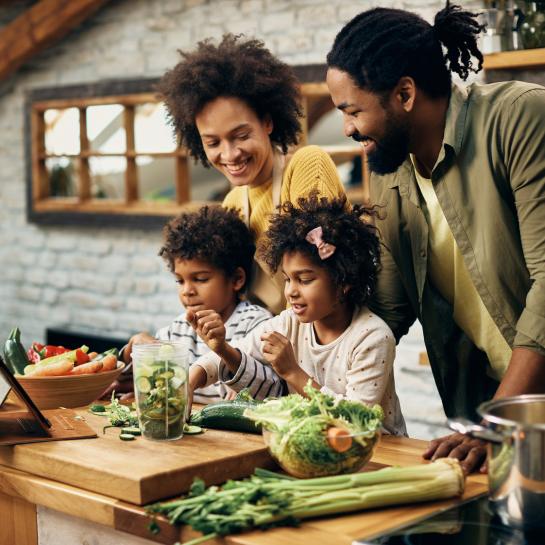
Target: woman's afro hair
[[236, 67]]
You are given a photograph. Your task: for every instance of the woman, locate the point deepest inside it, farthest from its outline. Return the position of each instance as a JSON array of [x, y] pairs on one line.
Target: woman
[[237, 108]]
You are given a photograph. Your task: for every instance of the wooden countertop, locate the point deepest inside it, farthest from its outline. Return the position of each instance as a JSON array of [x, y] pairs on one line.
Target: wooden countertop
[[341, 530], [139, 471], [103, 480]]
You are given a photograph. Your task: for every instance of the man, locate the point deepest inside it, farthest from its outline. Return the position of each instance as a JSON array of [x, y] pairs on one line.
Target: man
[[459, 175]]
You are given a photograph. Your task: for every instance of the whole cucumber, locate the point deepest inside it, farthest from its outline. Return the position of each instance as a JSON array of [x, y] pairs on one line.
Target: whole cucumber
[[14, 353], [226, 415]]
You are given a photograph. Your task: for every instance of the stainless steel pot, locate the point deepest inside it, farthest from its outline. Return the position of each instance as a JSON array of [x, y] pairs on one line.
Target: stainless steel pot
[[515, 430]]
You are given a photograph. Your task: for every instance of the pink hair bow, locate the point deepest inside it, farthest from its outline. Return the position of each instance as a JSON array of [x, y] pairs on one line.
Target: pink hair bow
[[325, 250]]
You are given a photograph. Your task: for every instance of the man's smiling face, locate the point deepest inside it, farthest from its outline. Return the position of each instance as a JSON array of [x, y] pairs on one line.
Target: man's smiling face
[[383, 133]]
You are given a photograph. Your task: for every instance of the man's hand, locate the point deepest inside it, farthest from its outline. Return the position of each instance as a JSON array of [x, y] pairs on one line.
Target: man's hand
[[278, 351], [471, 452], [140, 338], [210, 328], [525, 375]]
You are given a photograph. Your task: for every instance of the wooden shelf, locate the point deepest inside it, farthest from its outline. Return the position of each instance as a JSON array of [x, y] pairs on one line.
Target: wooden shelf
[[524, 58], [341, 154]]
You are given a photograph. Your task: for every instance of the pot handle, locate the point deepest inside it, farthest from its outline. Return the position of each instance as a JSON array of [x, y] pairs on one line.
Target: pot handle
[[467, 427]]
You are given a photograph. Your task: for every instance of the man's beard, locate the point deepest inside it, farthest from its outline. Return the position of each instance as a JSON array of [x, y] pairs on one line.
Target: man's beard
[[392, 150]]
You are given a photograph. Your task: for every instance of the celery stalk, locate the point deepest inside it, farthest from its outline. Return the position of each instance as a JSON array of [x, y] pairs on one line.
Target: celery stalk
[[261, 501]]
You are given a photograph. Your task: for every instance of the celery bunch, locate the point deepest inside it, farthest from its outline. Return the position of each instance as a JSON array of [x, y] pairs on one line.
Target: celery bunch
[[267, 499]]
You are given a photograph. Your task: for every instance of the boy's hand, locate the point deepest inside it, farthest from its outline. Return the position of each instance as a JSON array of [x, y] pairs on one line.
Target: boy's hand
[[210, 328], [140, 338], [278, 351]]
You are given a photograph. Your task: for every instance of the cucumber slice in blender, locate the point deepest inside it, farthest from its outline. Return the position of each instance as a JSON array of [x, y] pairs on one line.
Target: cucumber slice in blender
[[166, 352], [143, 384]]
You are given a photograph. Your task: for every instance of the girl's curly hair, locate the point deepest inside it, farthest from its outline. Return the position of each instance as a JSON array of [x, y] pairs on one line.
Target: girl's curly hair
[[356, 259], [213, 234], [239, 68]]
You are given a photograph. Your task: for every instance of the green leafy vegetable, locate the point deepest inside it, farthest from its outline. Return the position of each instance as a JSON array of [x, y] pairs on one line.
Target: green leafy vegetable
[[295, 429], [119, 415]]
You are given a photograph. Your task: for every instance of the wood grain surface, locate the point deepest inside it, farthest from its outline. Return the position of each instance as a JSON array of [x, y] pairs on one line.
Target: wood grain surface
[[140, 471]]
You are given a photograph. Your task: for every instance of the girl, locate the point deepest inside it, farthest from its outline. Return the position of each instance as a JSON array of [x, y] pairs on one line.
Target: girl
[[329, 259], [237, 108]]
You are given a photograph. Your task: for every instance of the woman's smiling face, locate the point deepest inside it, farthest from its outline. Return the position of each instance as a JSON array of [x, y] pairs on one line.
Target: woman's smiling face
[[236, 141]]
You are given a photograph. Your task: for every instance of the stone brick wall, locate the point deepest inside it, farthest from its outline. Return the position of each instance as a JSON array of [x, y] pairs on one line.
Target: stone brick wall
[[111, 280]]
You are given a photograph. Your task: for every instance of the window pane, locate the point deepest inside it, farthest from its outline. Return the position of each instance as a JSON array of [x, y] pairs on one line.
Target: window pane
[[328, 132], [152, 133], [62, 131], [105, 129], [156, 177], [61, 173], [107, 177], [207, 184]]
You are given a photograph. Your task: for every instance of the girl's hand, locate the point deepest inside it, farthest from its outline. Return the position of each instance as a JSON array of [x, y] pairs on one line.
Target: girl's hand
[[278, 351], [230, 394], [210, 328]]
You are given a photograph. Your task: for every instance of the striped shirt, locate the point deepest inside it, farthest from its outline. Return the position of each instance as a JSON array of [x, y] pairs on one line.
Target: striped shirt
[[245, 317]]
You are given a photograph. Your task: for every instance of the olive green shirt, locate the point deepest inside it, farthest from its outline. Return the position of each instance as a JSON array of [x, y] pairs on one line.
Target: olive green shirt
[[489, 180]]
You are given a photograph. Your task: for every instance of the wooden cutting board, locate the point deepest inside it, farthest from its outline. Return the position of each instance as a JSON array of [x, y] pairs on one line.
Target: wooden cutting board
[[140, 471]]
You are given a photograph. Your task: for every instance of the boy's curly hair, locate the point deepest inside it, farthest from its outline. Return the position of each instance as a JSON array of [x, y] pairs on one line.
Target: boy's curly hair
[[238, 68], [356, 259], [214, 234]]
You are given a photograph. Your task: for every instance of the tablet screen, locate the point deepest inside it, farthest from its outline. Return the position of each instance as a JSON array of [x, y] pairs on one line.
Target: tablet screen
[[8, 377], [4, 389]]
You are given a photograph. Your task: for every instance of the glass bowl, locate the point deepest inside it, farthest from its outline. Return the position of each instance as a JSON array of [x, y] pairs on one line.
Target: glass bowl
[[322, 460]]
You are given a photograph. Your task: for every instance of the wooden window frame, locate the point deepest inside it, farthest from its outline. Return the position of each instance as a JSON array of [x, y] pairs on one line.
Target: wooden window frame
[[131, 212]]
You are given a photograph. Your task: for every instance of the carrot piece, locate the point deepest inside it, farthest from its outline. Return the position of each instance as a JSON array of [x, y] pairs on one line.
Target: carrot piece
[[109, 362], [56, 369], [87, 368], [339, 439]]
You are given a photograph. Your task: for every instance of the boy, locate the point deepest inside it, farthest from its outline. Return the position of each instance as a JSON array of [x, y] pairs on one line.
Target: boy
[[211, 254]]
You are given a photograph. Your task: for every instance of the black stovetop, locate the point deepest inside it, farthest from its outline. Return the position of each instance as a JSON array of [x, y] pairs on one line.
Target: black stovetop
[[469, 523]]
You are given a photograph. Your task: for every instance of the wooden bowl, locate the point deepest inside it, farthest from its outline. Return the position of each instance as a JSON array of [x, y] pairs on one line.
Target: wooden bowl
[[68, 391]]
